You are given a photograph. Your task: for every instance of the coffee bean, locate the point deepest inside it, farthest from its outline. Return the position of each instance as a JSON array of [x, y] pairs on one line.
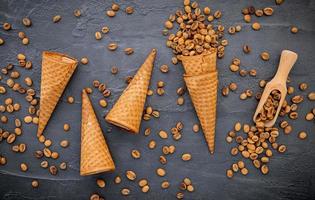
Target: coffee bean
[[56, 18], [44, 164], [53, 170], [117, 180], [35, 184], [131, 175], [135, 154], [294, 29], [84, 60], [112, 46], [186, 157], [63, 166], [125, 191], [98, 35], [77, 12], [110, 13], [100, 182], [161, 172], [265, 56], [23, 167]]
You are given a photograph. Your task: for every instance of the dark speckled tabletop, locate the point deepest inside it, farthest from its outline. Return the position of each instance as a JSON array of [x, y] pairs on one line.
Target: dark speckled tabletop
[[291, 174]]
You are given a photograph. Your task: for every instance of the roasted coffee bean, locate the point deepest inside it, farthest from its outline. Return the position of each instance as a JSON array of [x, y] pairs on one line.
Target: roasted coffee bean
[[112, 46], [53, 170], [129, 10], [131, 175], [63, 166], [135, 154], [100, 182], [56, 18], [265, 56], [84, 60], [44, 164], [268, 11], [125, 191], [294, 29], [117, 180], [38, 154], [35, 184], [98, 35], [77, 12], [110, 13], [161, 172], [6, 26], [246, 49], [23, 167]]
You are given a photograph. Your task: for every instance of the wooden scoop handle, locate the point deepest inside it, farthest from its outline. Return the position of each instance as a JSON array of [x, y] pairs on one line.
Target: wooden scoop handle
[[287, 60]]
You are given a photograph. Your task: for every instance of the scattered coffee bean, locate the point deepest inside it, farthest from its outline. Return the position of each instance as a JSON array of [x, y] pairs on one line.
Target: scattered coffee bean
[[128, 51], [63, 166], [112, 46], [246, 49], [84, 60], [53, 170], [265, 56], [294, 29], [129, 10], [77, 12], [98, 35], [66, 127], [35, 184], [117, 180], [164, 68], [311, 96], [160, 172], [302, 135], [186, 157], [135, 154], [131, 175], [23, 167], [56, 18], [125, 191], [268, 11], [110, 13], [100, 183]]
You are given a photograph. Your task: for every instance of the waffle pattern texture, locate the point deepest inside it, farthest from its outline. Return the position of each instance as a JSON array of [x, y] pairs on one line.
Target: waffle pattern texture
[[57, 69], [95, 155], [203, 93], [127, 111], [201, 79]]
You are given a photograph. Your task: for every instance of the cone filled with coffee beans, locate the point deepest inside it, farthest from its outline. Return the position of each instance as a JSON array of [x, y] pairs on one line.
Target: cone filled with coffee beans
[[197, 44]]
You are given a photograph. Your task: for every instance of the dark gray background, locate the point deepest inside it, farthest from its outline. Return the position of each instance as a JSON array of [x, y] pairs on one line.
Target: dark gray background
[[291, 174]]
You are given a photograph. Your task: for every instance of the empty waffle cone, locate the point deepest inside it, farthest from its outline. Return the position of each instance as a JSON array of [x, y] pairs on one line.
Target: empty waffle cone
[[57, 69], [127, 111], [203, 93], [95, 155], [200, 64]]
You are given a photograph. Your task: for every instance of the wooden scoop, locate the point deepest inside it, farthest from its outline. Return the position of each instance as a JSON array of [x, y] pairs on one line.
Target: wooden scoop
[[287, 60]]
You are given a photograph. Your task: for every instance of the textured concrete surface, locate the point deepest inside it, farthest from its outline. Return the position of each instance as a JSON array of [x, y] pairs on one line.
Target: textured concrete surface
[[291, 174]]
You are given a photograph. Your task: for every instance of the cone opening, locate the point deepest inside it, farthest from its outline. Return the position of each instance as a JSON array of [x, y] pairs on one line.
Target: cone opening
[[97, 170], [122, 125], [59, 57]]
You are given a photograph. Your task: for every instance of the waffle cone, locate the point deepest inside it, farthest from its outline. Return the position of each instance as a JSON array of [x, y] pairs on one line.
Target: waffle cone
[[128, 110], [57, 70], [200, 64], [203, 92], [95, 155]]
